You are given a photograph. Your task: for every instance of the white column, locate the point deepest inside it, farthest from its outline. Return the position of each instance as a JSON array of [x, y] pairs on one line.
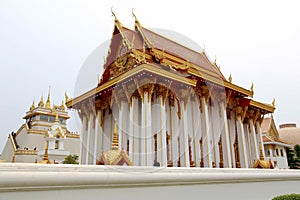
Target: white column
[[161, 135], [207, 137], [131, 133], [226, 149], [91, 132], [260, 138], [248, 145], [174, 133], [143, 131], [61, 144], [120, 126], [149, 134], [134, 148], [97, 142], [196, 131], [254, 139], [83, 140], [184, 138], [242, 143]]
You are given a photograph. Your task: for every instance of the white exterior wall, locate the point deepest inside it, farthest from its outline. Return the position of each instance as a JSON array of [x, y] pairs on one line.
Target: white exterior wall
[[31, 181]]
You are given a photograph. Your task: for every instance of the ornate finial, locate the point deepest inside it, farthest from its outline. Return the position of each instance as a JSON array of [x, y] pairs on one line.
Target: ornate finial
[[133, 15], [115, 140], [45, 157], [215, 61], [261, 154], [32, 106], [113, 14], [66, 97], [62, 106], [56, 117], [41, 103], [252, 87], [230, 78], [273, 102], [48, 100]]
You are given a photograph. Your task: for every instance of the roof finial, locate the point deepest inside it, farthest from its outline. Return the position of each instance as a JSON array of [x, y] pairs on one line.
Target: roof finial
[[66, 97], [252, 87], [273, 102], [115, 140], [62, 106], [41, 103], [32, 106], [48, 100], [230, 78], [113, 14], [133, 15], [215, 61]]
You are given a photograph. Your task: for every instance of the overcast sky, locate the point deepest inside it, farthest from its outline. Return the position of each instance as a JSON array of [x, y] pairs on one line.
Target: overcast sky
[[46, 43]]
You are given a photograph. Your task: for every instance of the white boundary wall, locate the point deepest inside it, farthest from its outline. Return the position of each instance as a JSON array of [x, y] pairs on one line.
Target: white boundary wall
[[37, 181]]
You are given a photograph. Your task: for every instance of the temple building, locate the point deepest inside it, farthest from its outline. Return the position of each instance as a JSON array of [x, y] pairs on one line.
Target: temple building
[[44, 131], [274, 146], [172, 107]]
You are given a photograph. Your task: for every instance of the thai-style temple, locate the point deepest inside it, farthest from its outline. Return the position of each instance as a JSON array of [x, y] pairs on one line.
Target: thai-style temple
[[274, 146], [43, 138], [172, 107]]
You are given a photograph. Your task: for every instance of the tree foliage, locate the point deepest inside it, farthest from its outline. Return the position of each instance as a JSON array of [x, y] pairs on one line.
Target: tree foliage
[[293, 157], [287, 197], [71, 159]]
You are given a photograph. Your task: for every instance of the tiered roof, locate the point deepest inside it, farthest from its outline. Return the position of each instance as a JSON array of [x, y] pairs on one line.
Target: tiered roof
[[165, 58]]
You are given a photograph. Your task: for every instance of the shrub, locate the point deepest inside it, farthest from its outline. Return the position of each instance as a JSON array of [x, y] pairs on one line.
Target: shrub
[[287, 197]]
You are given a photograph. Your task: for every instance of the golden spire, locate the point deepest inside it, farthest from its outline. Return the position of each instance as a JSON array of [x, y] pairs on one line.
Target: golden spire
[[41, 103], [115, 140], [32, 106], [48, 100], [62, 106], [273, 102], [56, 117], [252, 88], [230, 78], [45, 157], [66, 97]]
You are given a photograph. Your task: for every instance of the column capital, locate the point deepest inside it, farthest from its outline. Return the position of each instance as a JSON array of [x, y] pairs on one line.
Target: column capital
[[241, 112]]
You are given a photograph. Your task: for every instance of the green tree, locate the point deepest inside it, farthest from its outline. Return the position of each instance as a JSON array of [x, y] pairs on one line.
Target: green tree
[[297, 150], [71, 159], [293, 160], [287, 197]]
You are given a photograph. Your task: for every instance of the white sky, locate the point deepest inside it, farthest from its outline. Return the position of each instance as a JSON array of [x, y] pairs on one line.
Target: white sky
[[45, 43]]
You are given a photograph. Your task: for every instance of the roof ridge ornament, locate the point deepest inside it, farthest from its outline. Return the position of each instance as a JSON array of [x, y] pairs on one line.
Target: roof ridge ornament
[[32, 106], [273, 102], [48, 100], [113, 14], [252, 88], [230, 79]]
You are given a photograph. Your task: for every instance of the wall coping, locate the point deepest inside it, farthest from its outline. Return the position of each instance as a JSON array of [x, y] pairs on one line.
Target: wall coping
[[38, 177]]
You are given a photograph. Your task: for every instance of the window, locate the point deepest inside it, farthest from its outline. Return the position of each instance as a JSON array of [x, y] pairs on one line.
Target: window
[[281, 152], [268, 153], [51, 118], [277, 152], [44, 118]]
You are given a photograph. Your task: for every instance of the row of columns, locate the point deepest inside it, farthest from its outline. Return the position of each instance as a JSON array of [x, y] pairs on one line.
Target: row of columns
[[197, 140]]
